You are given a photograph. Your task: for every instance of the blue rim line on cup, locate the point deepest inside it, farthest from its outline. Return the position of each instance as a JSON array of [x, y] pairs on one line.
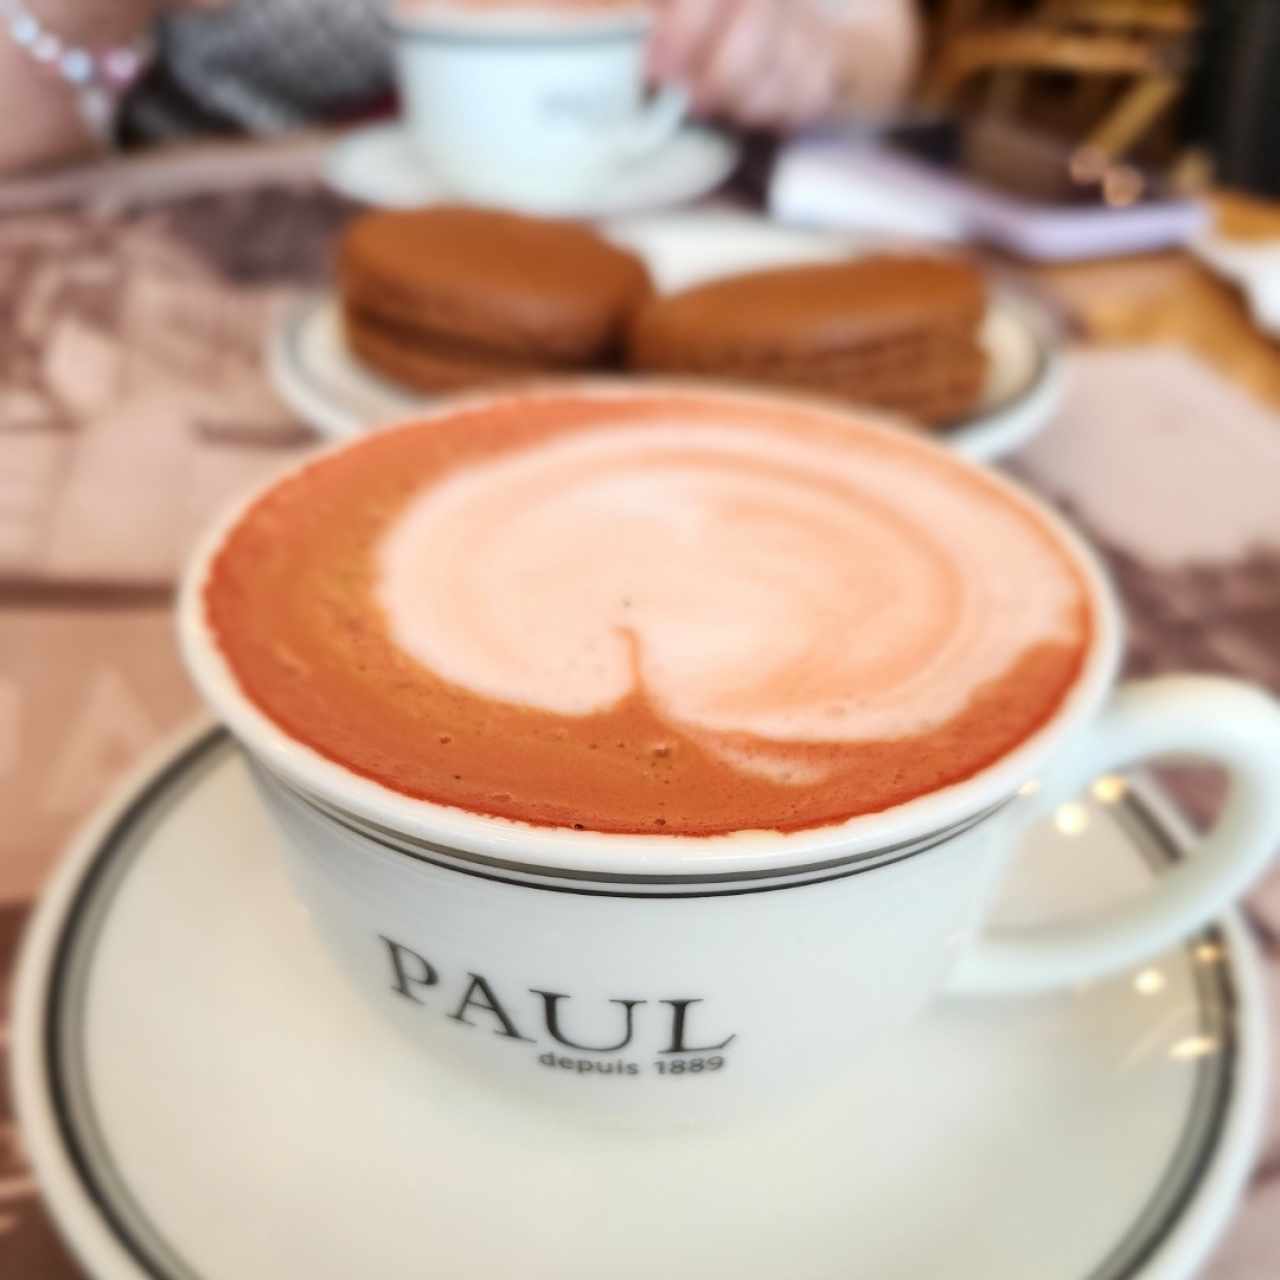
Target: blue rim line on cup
[[603, 883]]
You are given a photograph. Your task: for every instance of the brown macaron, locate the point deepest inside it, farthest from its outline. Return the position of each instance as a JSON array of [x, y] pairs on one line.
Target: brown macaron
[[435, 366], [895, 331], [455, 296]]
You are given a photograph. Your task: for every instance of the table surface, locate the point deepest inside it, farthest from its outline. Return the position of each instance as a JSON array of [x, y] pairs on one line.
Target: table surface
[[132, 401], [1171, 298]]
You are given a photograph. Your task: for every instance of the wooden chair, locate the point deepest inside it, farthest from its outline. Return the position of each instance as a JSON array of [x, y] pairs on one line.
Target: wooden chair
[[1129, 59]]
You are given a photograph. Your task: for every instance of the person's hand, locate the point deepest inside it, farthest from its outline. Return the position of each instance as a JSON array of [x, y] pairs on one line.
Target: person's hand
[[100, 23], [43, 120], [759, 62]]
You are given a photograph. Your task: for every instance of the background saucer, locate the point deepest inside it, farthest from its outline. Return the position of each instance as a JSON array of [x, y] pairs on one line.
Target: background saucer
[[378, 165]]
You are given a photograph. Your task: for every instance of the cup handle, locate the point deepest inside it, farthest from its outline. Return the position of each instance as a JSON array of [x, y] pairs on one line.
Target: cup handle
[[1231, 723], [656, 121]]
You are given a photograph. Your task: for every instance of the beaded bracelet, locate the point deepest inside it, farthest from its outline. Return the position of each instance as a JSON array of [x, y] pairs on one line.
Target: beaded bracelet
[[99, 77]]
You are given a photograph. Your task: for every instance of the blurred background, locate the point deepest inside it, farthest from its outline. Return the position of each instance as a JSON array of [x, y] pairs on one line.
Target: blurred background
[[174, 181]]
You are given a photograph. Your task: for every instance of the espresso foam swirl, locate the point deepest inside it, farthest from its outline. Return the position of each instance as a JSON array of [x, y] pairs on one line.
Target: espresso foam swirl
[[755, 587], [638, 609]]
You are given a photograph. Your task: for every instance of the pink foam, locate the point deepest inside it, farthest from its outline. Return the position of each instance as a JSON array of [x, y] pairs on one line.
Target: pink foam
[[748, 581]]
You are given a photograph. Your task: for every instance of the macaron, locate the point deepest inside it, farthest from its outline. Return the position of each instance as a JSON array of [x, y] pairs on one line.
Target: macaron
[[455, 296], [900, 332]]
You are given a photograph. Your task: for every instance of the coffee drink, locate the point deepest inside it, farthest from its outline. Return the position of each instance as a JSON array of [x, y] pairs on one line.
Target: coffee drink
[[650, 610]]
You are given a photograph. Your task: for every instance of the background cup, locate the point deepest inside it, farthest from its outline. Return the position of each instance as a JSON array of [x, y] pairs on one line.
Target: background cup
[[652, 978], [535, 109]]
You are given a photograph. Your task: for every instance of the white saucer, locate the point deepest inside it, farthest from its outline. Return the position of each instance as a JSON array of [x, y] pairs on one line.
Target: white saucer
[[202, 1096], [318, 377], [320, 380], [378, 165], [1253, 266]]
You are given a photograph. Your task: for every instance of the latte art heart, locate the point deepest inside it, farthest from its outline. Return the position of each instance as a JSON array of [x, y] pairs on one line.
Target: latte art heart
[[638, 611], [741, 581]]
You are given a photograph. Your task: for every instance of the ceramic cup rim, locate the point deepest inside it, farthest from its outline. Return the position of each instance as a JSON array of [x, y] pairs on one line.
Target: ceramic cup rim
[[667, 855], [523, 22]]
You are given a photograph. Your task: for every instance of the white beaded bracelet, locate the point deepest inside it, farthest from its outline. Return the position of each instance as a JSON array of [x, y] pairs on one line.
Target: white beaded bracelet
[[99, 77]]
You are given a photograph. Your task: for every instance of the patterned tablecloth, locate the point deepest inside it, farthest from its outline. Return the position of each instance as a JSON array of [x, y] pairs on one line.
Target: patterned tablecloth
[[133, 402]]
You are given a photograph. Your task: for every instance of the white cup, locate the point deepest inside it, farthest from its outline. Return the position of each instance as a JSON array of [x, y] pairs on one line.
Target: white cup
[[659, 978], [531, 108]]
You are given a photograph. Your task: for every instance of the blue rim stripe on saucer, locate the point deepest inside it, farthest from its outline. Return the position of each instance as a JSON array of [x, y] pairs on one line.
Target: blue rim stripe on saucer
[[65, 1062]]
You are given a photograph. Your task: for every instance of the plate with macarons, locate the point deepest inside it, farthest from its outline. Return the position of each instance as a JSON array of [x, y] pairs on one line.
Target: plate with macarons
[[448, 299]]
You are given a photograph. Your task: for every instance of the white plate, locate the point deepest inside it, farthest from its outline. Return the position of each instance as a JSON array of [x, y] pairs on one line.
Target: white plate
[[1253, 266], [321, 380], [203, 1096], [378, 165]]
